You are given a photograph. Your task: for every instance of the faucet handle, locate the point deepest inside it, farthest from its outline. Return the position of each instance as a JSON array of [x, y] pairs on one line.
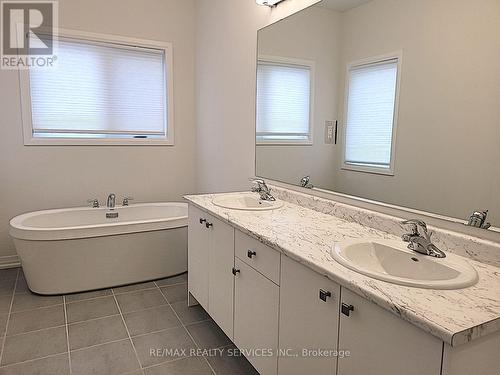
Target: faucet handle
[[94, 202], [126, 201]]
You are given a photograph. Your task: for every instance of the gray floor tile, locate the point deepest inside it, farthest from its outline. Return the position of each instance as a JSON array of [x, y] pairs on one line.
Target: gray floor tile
[[231, 362], [140, 300], [208, 335], [88, 295], [34, 345], [186, 366], [5, 304], [3, 323], [91, 309], [32, 320], [179, 279], [94, 332], [57, 365], [109, 359], [175, 293], [176, 340], [151, 320], [22, 286], [32, 301], [134, 287], [9, 274], [7, 287], [191, 314]]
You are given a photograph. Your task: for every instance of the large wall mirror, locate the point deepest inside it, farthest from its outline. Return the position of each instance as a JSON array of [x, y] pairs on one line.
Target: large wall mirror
[[396, 101]]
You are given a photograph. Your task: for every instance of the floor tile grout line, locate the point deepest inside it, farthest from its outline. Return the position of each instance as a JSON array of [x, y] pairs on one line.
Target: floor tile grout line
[[36, 330], [67, 334], [126, 328], [100, 344], [36, 308], [8, 319], [33, 360], [187, 331]]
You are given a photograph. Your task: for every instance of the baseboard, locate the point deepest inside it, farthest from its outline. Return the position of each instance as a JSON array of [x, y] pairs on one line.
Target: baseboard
[[9, 261]]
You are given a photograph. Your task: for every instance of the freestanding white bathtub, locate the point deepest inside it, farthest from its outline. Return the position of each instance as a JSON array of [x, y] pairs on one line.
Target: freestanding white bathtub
[[79, 249]]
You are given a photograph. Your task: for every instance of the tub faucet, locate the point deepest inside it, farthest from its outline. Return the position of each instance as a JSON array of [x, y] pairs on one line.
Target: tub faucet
[[111, 201], [263, 190], [421, 243], [94, 202]]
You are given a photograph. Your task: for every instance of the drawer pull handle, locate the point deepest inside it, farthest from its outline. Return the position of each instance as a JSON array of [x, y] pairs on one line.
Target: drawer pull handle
[[324, 294], [236, 271], [208, 225], [346, 309], [251, 253], [202, 220]]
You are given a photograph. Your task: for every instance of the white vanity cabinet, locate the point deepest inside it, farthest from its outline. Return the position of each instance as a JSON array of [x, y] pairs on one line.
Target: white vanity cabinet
[[288, 319], [256, 302], [309, 317], [380, 343], [210, 265]]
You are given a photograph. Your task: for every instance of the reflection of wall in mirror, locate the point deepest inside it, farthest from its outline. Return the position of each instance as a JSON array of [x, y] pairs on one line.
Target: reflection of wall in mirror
[[288, 39]]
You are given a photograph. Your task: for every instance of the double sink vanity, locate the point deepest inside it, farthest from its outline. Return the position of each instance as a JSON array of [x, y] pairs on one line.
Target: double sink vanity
[[305, 292]]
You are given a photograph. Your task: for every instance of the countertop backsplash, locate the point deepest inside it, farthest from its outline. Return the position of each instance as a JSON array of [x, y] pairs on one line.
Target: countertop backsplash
[[461, 244]]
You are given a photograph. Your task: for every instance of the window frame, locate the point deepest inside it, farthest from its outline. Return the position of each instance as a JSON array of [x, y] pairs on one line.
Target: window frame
[[293, 62], [398, 56], [26, 108]]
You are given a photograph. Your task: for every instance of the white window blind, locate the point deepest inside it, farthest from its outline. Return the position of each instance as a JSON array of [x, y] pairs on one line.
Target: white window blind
[[283, 102], [370, 114], [100, 90]]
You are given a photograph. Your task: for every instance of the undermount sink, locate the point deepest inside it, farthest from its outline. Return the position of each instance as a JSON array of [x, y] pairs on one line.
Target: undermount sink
[[245, 201], [392, 261]]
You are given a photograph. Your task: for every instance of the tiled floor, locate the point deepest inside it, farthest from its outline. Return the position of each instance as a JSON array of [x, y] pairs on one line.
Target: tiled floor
[[127, 330]]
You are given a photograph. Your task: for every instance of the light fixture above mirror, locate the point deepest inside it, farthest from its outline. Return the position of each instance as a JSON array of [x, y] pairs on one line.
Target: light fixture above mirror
[[269, 3]]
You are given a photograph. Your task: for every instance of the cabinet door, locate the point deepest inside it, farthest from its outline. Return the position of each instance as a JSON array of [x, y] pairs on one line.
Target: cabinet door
[[198, 255], [220, 275], [380, 343], [256, 300], [309, 318]]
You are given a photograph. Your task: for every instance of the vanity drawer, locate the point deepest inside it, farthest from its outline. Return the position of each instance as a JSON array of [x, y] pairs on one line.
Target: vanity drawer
[[257, 255]]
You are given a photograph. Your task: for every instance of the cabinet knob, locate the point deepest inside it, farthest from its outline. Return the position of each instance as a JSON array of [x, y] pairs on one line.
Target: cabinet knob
[[208, 225], [235, 271], [202, 220], [346, 309], [324, 294], [251, 253]]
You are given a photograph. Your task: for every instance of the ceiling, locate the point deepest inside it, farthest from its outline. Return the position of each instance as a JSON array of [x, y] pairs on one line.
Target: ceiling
[[342, 5]]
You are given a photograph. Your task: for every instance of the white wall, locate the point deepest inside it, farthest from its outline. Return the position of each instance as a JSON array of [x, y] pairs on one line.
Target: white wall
[[226, 65], [320, 44], [42, 177]]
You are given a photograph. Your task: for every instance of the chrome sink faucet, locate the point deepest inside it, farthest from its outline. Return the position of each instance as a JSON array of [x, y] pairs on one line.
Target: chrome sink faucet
[[111, 201], [263, 190], [421, 242]]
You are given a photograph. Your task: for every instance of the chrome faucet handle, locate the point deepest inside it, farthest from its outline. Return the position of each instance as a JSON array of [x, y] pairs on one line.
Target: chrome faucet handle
[[126, 201], [94, 202]]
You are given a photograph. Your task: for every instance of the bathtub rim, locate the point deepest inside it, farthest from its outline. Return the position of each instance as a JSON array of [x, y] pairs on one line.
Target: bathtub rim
[[22, 232]]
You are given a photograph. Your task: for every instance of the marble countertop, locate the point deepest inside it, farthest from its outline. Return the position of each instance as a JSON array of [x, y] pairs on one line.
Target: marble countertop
[[454, 316]]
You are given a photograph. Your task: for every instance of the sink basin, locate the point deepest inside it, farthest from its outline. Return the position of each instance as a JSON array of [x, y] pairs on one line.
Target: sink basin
[[248, 202], [392, 261]]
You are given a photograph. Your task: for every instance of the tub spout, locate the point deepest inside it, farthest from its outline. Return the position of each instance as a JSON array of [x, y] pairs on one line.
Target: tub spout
[[111, 201]]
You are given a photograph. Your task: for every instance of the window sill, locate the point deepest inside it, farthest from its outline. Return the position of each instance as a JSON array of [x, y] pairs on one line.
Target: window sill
[[368, 169], [284, 143], [96, 142]]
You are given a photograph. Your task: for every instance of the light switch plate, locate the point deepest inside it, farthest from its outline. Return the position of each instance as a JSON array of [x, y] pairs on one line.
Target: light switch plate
[[329, 132]]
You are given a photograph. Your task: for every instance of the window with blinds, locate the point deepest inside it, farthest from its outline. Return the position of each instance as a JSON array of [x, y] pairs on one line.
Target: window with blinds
[[283, 102], [370, 119], [104, 91]]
